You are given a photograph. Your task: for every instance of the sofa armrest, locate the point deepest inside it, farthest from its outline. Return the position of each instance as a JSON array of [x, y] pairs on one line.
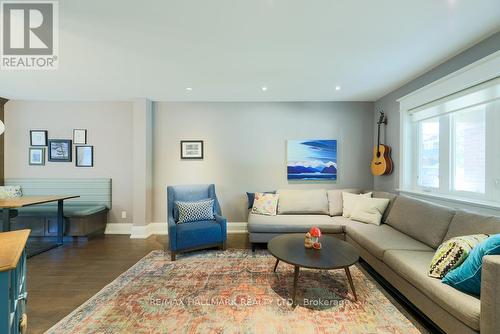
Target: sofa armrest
[[172, 232], [223, 224], [490, 295]]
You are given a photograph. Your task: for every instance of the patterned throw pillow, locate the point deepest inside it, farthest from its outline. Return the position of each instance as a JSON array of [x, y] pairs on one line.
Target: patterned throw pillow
[[451, 253], [265, 204], [467, 276], [10, 192], [195, 211]]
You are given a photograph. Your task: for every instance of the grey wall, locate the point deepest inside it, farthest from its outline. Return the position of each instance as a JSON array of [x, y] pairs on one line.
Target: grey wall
[[109, 129], [245, 146], [391, 107]]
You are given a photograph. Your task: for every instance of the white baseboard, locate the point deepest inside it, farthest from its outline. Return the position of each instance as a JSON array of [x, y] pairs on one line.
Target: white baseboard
[[144, 231], [118, 228]]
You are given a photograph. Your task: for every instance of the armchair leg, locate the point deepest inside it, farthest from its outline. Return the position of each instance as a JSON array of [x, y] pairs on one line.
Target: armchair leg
[[224, 245], [172, 255], [253, 247]]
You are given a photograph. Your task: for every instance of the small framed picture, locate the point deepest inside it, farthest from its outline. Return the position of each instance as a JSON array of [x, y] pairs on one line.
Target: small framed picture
[[38, 137], [60, 150], [79, 136], [37, 156], [191, 149], [84, 156]]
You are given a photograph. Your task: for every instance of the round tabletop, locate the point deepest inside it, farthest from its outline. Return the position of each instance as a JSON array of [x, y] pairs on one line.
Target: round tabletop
[[334, 253]]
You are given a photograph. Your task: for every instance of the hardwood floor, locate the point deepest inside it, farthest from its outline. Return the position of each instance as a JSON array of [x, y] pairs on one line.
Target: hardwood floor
[[62, 279]]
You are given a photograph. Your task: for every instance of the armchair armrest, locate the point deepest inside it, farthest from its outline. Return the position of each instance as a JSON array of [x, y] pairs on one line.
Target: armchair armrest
[[490, 295], [223, 224], [172, 232]]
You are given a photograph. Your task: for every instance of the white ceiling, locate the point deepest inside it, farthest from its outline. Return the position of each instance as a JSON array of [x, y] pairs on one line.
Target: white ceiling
[[226, 50]]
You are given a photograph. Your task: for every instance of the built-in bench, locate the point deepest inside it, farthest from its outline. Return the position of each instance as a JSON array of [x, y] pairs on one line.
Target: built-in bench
[[84, 216]]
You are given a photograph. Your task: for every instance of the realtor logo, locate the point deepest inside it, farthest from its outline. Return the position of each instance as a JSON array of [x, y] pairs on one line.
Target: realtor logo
[[29, 35]]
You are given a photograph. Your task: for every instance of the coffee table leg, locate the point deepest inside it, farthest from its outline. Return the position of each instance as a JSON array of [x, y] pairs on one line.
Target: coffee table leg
[[349, 277], [295, 279], [276, 265]]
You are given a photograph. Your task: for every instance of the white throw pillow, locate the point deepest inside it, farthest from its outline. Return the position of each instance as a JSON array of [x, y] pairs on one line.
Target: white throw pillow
[[265, 204], [369, 210], [335, 202], [303, 201], [349, 202]]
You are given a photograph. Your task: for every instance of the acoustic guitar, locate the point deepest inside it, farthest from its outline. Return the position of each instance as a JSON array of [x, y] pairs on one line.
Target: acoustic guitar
[[381, 163]]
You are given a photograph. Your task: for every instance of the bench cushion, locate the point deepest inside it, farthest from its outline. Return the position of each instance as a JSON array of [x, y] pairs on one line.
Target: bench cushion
[[69, 210], [379, 239], [413, 267], [292, 223], [421, 220]]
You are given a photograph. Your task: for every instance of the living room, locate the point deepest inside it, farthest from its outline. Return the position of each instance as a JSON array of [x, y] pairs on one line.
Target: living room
[[260, 167]]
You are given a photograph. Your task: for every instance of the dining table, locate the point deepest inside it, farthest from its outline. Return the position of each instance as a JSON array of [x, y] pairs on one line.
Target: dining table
[[9, 204]]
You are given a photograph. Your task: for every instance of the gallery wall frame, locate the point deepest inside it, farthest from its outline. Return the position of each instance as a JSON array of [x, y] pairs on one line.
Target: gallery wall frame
[[80, 136], [60, 150], [36, 156], [38, 137], [84, 156]]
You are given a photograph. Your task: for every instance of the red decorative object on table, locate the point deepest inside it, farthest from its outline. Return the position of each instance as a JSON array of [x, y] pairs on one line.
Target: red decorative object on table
[[312, 238]]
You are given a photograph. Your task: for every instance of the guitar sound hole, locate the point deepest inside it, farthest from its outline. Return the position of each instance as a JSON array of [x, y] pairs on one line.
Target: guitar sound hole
[[378, 154]]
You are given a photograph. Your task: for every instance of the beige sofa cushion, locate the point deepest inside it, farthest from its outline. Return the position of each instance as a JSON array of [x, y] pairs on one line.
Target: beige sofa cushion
[[292, 224], [349, 202], [421, 220], [379, 239], [413, 267], [303, 201], [335, 202], [466, 223], [369, 210]]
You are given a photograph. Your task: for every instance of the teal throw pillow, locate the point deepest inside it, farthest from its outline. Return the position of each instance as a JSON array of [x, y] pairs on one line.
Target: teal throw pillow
[[467, 277]]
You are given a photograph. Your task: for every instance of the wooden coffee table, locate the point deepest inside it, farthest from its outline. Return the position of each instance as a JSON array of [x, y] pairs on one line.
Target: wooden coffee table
[[335, 254]]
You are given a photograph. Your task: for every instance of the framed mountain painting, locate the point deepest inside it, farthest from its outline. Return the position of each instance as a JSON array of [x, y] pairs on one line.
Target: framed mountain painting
[[312, 159]]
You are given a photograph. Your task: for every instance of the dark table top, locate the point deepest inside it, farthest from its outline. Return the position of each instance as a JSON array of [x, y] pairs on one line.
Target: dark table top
[[334, 254]]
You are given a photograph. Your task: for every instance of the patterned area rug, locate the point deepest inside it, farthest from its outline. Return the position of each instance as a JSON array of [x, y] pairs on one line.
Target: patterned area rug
[[233, 292]]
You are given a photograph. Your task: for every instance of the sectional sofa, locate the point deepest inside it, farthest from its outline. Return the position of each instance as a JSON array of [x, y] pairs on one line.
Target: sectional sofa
[[400, 250]]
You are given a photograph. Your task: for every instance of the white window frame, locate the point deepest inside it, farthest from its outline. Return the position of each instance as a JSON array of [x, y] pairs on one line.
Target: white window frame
[[481, 71]]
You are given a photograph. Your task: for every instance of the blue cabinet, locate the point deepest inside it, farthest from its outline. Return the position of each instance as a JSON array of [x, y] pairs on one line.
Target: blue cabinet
[[13, 294]]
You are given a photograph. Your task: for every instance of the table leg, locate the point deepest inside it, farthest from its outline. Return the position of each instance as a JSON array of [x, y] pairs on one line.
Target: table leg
[[276, 265], [5, 219], [349, 277], [295, 279], [60, 222]]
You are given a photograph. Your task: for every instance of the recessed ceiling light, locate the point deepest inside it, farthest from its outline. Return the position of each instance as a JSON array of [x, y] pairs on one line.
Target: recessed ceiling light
[[189, 89], [264, 88], [337, 87]]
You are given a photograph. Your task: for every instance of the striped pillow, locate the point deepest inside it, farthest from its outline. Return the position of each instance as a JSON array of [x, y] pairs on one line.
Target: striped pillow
[[195, 211], [451, 253]]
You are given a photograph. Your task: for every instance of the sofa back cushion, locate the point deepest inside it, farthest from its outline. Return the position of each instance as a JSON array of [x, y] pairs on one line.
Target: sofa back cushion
[[467, 223], [390, 196], [335, 201], [423, 221], [302, 201]]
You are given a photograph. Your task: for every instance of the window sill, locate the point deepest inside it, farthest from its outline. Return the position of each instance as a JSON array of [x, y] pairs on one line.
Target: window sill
[[452, 199]]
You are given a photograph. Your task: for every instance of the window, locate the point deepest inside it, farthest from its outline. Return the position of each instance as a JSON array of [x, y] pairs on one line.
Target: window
[[456, 146], [428, 172], [469, 148]]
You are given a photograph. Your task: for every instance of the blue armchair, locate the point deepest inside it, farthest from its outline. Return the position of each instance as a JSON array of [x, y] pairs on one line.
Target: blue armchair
[[194, 235]]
